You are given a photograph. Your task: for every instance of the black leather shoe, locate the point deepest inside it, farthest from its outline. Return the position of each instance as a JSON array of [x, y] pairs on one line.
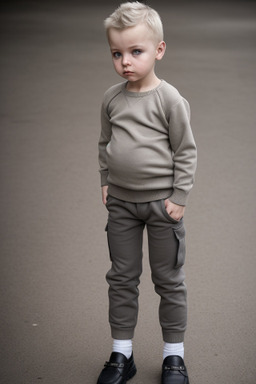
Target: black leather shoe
[[118, 370], [174, 371]]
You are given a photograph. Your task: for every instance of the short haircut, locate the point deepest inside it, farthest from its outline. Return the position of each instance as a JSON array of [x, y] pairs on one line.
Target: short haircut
[[131, 14]]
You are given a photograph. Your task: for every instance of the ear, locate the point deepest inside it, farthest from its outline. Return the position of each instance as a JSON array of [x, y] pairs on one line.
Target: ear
[[160, 50]]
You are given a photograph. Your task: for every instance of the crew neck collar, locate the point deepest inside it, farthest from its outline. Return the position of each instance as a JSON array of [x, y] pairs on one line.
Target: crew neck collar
[[141, 94]]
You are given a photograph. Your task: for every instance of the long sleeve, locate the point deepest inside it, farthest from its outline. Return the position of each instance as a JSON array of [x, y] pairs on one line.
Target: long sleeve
[[103, 142], [184, 151]]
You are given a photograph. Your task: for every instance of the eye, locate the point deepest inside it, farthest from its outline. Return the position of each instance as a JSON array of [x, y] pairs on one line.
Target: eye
[[116, 55], [136, 52]]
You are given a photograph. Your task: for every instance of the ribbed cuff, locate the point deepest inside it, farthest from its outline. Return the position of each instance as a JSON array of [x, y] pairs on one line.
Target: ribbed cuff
[[170, 337], [103, 178], [179, 197], [122, 334]]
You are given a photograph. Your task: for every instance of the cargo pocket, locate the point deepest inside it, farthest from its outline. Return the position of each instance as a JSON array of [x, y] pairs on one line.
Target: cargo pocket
[[179, 232]]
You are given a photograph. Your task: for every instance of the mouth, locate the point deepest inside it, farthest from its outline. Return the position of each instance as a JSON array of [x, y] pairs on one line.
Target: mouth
[[127, 73]]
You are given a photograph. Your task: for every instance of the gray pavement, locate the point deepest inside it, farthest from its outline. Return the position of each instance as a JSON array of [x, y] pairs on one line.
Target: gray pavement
[[55, 66]]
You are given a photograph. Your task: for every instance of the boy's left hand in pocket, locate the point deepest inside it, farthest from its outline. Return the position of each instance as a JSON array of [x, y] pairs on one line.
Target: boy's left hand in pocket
[[174, 210]]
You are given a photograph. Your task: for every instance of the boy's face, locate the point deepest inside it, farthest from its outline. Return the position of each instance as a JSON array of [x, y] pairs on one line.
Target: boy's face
[[134, 51]]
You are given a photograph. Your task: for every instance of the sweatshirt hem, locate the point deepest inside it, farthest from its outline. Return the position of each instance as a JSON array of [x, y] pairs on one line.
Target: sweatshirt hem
[[138, 196]]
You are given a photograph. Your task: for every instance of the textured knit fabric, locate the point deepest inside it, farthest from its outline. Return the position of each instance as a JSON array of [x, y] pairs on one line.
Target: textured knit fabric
[[123, 346], [146, 148], [173, 349]]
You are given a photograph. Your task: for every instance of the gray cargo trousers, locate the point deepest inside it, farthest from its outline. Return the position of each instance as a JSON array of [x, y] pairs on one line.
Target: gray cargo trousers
[[166, 242]]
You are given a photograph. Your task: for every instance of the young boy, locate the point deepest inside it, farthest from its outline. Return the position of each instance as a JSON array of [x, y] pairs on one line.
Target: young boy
[[147, 157]]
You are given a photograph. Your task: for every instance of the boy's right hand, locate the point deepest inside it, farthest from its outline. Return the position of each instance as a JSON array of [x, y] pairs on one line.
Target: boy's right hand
[[104, 192]]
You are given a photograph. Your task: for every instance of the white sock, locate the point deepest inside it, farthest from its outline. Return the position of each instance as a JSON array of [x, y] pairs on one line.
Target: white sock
[[174, 349], [123, 346]]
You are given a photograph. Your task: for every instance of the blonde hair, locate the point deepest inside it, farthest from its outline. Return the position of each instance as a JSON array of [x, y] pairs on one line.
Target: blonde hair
[[133, 13]]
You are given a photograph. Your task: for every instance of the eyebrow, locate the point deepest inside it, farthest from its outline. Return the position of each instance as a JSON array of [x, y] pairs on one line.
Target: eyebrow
[[131, 47]]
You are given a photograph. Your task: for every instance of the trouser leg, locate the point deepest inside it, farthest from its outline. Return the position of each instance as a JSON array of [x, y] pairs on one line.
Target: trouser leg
[[125, 234], [168, 277]]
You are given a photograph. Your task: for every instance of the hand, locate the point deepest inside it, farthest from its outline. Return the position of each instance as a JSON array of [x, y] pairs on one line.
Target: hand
[[104, 192], [174, 210]]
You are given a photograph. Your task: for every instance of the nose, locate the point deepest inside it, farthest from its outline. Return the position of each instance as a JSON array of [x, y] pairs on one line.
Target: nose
[[126, 60]]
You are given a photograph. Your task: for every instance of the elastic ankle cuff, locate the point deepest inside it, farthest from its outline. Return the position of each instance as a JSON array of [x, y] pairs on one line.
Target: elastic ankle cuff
[[122, 334], [170, 337]]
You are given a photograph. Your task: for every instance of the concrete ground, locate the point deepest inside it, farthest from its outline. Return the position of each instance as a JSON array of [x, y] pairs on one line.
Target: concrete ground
[[55, 67]]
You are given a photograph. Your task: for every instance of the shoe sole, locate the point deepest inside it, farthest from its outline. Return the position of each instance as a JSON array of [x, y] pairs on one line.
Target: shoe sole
[[129, 376]]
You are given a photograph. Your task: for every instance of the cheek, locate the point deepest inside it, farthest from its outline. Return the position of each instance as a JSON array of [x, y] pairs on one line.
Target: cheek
[[116, 64], [143, 64]]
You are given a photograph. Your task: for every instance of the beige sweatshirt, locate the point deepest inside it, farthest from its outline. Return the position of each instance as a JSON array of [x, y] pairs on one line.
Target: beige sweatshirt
[[146, 149]]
